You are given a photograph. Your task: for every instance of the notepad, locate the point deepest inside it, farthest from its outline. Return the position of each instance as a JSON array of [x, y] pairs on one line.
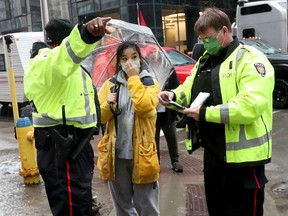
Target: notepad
[[200, 99]]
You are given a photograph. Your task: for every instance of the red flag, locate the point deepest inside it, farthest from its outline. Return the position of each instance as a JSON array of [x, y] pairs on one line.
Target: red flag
[[140, 17], [142, 21]]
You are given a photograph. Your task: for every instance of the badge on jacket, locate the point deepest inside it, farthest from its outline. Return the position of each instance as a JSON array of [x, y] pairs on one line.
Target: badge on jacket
[[260, 69]]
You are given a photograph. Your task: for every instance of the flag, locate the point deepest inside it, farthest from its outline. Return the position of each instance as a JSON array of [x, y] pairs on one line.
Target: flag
[[140, 17]]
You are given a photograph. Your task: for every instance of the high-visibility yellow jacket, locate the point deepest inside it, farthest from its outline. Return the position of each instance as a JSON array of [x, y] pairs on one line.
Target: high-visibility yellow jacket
[[246, 90], [145, 160], [54, 79]]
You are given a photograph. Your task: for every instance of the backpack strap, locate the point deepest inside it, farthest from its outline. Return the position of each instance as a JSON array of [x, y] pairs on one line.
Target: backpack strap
[[114, 89]]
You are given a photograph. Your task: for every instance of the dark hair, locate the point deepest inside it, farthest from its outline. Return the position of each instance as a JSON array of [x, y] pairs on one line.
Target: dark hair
[[212, 17], [124, 45]]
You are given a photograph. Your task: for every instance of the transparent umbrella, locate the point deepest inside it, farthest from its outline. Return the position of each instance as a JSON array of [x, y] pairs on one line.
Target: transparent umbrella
[[101, 63]]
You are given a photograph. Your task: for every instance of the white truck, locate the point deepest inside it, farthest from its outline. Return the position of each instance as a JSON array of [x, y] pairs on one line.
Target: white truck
[[18, 58], [265, 19]]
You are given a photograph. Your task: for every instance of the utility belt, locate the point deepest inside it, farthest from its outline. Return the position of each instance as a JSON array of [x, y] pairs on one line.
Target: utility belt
[[68, 141]]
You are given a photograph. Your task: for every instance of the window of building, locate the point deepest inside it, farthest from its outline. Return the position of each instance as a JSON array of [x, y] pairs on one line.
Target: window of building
[[37, 23], [174, 29], [97, 5], [108, 4], [5, 12], [85, 7], [19, 7], [2, 63], [36, 16]]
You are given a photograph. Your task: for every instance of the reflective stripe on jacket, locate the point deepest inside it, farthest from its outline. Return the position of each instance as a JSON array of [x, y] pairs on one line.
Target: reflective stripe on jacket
[[246, 92], [54, 79], [145, 160]]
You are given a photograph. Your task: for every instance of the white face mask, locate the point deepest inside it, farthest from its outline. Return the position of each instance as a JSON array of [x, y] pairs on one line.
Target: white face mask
[[135, 64]]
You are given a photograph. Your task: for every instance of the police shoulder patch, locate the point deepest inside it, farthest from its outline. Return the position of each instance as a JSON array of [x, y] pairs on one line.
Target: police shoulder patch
[[260, 69]]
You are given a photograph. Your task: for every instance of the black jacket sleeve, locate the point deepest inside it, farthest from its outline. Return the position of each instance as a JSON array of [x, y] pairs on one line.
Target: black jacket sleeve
[[172, 83], [86, 36]]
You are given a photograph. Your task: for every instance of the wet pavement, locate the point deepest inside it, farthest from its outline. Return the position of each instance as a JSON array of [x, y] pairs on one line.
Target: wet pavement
[[180, 194]]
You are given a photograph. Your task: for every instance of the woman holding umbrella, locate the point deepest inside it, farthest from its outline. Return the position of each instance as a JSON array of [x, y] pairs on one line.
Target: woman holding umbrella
[[127, 154]]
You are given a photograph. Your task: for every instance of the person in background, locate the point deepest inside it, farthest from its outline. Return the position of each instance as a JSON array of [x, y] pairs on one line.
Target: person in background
[[64, 114], [166, 120], [198, 50], [127, 153], [235, 123]]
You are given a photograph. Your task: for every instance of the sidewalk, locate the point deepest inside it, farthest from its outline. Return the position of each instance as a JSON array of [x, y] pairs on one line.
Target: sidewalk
[[181, 194]]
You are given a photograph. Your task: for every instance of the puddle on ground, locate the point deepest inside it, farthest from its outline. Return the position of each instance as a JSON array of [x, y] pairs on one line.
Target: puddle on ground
[[280, 189]]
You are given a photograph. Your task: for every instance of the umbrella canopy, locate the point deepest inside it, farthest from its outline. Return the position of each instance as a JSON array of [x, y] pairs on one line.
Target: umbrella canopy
[[101, 63]]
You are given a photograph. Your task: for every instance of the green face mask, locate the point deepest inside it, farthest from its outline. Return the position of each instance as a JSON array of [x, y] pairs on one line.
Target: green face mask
[[212, 46]]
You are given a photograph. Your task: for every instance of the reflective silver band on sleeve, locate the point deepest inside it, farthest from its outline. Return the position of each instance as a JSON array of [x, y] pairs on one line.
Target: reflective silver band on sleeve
[[76, 59], [182, 96], [239, 55], [224, 114]]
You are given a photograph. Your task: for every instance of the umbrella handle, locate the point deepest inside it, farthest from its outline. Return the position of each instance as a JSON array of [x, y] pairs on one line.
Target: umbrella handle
[[116, 111]]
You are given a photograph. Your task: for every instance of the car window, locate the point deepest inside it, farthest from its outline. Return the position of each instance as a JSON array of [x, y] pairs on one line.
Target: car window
[[263, 46], [178, 59]]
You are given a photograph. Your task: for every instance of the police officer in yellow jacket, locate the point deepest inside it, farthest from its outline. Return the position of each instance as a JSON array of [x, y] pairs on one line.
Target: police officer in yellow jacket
[[235, 123], [65, 117]]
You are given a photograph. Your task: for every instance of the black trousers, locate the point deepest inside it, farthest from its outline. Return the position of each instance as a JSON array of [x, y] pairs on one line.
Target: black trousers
[[169, 130], [233, 191], [68, 188]]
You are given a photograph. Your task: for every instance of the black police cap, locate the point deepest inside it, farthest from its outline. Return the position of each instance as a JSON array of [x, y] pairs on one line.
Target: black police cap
[[57, 30]]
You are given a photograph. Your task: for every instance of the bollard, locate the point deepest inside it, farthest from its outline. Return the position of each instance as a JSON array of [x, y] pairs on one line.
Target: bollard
[[26, 144]]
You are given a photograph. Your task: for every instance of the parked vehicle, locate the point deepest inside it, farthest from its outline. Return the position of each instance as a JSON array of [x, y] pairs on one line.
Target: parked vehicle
[[267, 19], [279, 60], [18, 57], [182, 63]]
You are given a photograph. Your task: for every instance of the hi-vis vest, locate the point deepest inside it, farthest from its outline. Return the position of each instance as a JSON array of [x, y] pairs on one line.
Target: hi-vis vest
[[54, 80], [246, 83]]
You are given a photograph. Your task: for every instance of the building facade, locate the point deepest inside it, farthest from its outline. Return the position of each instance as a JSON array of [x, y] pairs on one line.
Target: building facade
[[172, 21], [20, 16]]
